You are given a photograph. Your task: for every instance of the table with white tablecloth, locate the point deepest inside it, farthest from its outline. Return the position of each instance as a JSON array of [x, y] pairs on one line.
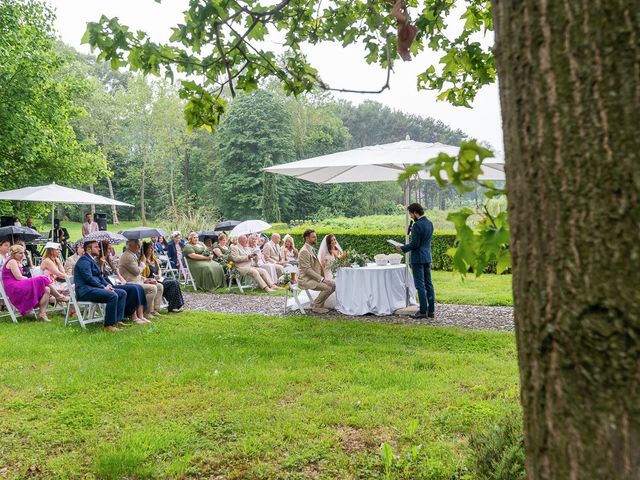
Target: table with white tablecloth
[[380, 290]]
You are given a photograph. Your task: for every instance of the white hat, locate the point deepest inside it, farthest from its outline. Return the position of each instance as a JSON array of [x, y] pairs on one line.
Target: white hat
[[175, 233], [52, 245]]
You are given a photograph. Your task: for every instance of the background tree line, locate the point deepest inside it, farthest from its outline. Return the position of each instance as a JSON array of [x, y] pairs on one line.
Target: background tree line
[[69, 118]]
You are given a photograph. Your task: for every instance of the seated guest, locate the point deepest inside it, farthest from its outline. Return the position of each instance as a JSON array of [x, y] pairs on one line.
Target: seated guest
[[208, 242], [220, 248], [89, 226], [27, 261], [131, 267], [136, 302], [172, 291], [174, 249], [272, 269], [26, 293], [261, 241], [52, 267], [5, 246], [289, 251], [71, 261], [272, 252], [311, 275], [158, 246], [244, 259], [208, 275], [91, 286]]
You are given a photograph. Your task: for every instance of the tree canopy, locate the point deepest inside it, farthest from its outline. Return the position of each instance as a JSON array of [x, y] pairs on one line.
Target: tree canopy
[[38, 103]]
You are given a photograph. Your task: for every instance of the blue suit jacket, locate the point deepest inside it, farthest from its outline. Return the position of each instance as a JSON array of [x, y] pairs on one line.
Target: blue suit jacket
[[172, 252], [87, 275], [420, 246]]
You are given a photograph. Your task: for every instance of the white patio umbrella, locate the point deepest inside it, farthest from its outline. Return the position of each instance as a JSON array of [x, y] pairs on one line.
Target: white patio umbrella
[[248, 227], [377, 163], [58, 194]]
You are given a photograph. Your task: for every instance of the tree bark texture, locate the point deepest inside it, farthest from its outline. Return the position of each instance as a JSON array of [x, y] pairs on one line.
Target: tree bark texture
[[570, 94], [114, 211]]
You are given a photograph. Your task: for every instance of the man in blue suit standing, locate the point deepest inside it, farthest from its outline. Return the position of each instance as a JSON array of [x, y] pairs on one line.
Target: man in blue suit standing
[[420, 259], [92, 287]]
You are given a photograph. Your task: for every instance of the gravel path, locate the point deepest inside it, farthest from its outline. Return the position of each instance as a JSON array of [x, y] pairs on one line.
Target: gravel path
[[463, 316]]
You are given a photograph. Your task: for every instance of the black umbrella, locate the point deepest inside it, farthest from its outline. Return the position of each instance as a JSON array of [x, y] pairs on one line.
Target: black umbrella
[[226, 225], [143, 232], [14, 233], [208, 234]]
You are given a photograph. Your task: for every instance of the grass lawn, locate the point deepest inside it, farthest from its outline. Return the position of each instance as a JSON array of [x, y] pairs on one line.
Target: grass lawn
[[471, 290], [201, 395]]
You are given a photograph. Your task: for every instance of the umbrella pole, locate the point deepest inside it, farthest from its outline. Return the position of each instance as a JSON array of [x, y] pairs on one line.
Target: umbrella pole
[[53, 214], [406, 240]]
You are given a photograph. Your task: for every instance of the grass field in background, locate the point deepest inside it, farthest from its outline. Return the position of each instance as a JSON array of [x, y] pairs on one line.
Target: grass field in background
[[202, 395]]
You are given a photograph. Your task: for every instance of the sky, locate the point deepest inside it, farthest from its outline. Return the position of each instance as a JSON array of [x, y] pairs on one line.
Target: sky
[[339, 67]]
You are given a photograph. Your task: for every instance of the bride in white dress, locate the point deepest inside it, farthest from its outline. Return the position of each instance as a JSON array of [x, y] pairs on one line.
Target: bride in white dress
[[327, 253]]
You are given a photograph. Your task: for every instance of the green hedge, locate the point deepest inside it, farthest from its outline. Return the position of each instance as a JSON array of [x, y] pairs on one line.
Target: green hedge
[[371, 243]]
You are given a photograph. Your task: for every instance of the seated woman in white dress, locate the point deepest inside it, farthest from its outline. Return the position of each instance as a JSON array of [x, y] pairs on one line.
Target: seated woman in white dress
[[328, 252]]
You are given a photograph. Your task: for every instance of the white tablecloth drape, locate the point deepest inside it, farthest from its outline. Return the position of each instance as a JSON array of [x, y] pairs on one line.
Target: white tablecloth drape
[[373, 289]]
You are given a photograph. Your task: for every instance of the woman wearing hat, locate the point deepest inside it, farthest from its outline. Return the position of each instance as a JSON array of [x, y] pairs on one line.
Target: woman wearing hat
[[52, 268]]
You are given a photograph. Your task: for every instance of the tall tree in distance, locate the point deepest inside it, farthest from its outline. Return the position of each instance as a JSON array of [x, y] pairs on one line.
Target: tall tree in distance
[[257, 127], [270, 203]]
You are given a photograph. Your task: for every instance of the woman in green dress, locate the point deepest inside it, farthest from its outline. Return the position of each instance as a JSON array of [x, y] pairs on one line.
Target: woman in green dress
[[208, 275], [220, 248]]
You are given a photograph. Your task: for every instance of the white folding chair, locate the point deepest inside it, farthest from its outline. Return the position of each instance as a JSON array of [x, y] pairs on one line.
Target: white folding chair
[[186, 274], [85, 312], [293, 299], [167, 270], [7, 304]]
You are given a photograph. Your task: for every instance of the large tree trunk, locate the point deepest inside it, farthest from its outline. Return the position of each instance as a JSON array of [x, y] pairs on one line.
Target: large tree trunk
[[114, 211], [143, 216], [570, 93]]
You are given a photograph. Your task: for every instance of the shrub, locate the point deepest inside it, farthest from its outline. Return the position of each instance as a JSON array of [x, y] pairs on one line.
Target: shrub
[[498, 452], [370, 243]]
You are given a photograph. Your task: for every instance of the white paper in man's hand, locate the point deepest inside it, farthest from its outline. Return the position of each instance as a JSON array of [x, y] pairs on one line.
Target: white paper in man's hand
[[394, 243]]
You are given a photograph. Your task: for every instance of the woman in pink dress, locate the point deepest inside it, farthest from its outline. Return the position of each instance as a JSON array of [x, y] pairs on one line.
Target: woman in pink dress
[[25, 293]]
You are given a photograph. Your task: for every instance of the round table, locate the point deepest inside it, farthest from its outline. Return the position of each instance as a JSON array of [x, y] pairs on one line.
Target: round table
[[380, 290]]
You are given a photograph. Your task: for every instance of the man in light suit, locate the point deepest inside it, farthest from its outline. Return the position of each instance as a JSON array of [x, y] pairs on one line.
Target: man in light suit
[[131, 268], [244, 260], [92, 287], [272, 253], [420, 259], [311, 274]]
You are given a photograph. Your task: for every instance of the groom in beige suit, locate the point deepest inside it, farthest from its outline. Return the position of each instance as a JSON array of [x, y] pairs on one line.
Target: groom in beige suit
[[311, 274]]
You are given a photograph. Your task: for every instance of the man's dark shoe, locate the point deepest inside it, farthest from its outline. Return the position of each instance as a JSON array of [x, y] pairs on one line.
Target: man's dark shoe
[[431, 315], [419, 315]]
